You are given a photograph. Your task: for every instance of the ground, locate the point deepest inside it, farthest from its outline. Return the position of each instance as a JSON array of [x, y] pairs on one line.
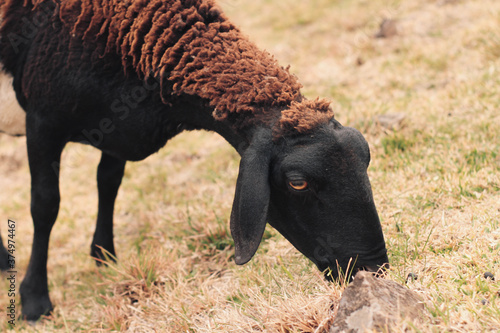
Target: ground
[[435, 178]]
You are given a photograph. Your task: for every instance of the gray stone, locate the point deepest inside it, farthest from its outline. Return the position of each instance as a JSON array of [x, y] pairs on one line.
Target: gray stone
[[388, 28], [371, 303]]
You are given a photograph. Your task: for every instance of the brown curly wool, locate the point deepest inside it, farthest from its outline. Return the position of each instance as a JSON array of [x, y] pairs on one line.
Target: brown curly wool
[[193, 49], [305, 116]]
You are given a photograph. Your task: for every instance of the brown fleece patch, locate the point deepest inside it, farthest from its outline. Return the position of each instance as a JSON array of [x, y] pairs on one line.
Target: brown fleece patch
[[193, 49], [303, 117]]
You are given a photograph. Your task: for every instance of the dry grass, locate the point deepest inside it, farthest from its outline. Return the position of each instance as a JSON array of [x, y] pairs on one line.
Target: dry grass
[[436, 182]]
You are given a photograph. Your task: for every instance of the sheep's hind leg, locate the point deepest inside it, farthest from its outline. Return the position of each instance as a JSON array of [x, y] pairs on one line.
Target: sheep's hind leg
[[4, 257], [109, 177], [44, 154]]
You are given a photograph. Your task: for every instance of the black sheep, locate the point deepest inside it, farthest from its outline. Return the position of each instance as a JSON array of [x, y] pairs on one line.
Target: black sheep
[[126, 76]]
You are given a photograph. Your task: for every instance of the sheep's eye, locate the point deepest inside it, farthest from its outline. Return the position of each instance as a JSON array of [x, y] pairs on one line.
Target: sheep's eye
[[298, 185]]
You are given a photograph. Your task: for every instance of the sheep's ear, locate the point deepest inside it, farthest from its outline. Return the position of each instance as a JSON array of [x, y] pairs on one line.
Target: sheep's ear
[[251, 199]]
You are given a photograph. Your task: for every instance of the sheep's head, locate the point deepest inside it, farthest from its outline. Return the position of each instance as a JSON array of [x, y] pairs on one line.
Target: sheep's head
[[314, 189]]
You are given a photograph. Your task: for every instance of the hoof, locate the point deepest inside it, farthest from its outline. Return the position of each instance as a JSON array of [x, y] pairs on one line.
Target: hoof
[[101, 255], [33, 307]]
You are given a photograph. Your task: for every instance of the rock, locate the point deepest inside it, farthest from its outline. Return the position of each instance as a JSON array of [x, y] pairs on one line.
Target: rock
[[489, 275], [371, 303], [388, 28]]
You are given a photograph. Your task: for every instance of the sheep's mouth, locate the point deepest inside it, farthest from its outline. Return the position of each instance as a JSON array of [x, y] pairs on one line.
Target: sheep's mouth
[[378, 270], [336, 273]]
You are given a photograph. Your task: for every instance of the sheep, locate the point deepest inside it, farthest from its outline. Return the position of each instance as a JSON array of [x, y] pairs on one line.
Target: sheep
[[126, 76]]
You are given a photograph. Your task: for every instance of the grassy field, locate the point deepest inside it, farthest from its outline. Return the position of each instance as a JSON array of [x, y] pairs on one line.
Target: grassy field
[[435, 178]]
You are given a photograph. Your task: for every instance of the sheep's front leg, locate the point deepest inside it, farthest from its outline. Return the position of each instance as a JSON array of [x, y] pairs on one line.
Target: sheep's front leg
[[4, 257], [109, 177], [44, 154]]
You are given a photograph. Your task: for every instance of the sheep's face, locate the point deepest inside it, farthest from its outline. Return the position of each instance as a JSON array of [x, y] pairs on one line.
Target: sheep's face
[[314, 190]]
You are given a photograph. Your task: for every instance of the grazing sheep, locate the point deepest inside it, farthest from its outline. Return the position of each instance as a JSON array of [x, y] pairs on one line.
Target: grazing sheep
[[126, 76]]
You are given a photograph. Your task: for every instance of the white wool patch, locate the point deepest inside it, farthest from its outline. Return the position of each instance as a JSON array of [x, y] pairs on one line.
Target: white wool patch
[[12, 116]]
